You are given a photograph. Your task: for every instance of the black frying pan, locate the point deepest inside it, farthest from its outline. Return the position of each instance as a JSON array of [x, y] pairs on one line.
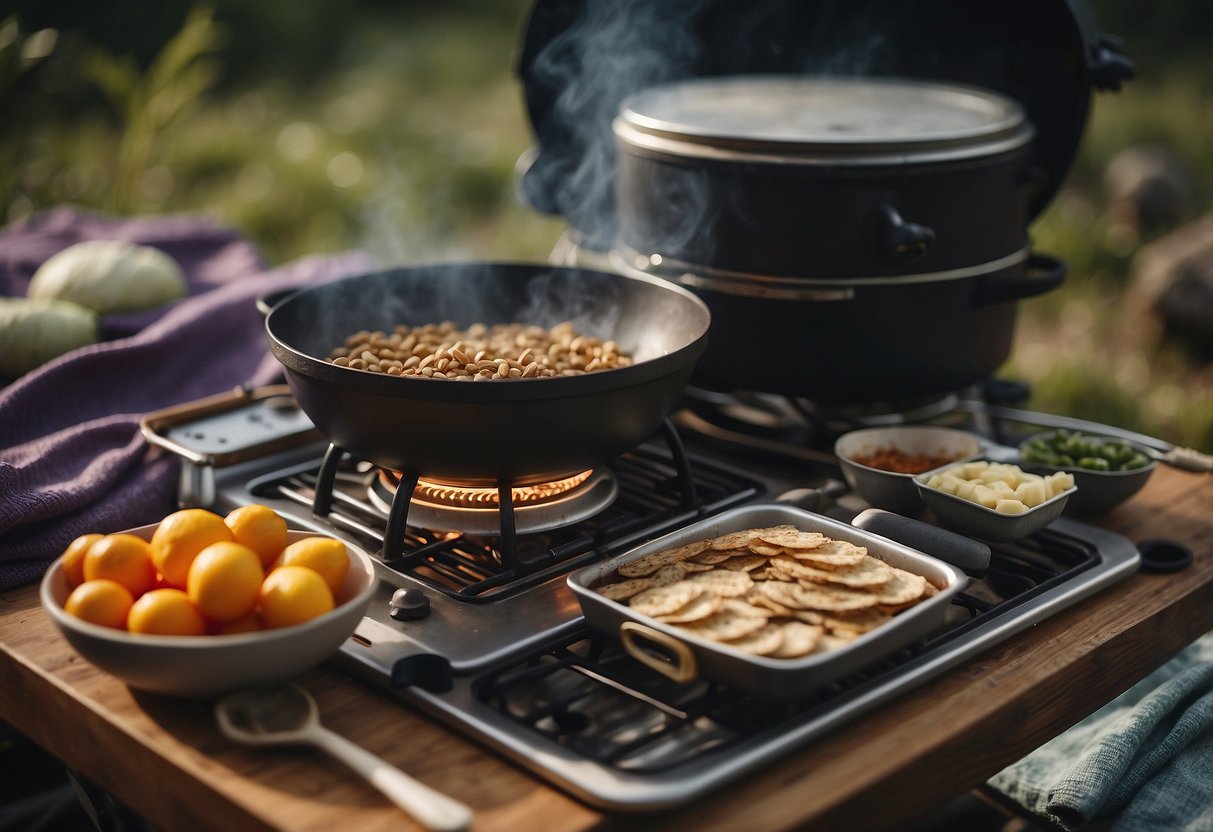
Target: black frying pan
[[518, 431]]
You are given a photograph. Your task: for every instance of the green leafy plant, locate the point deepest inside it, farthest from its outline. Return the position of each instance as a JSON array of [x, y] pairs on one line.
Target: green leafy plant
[[153, 101]]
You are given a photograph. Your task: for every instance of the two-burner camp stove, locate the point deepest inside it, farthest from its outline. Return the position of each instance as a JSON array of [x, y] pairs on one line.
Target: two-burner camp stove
[[473, 621]]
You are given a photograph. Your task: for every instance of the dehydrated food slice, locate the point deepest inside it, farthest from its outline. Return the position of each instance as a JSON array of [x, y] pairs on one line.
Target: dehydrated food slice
[[834, 553], [741, 607], [698, 608], [669, 574], [757, 598], [830, 642], [744, 537], [828, 598], [857, 623], [724, 582], [766, 549], [799, 639], [725, 625], [663, 600], [792, 538], [778, 591], [711, 557], [903, 588], [762, 642], [743, 563], [650, 563], [869, 572], [623, 590], [735, 540]]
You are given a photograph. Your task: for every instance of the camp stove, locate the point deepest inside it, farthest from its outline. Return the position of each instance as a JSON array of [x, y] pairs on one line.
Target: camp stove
[[474, 624]]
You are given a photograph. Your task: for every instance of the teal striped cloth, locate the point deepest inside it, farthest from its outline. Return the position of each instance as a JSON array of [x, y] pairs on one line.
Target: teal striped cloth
[[1145, 760]]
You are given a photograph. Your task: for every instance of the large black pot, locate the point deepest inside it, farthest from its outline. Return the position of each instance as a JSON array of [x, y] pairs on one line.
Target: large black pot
[[518, 431], [840, 265], [823, 177], [874, 231]]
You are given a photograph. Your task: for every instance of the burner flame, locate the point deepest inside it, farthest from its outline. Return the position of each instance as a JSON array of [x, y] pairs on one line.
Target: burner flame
[[454, 495]]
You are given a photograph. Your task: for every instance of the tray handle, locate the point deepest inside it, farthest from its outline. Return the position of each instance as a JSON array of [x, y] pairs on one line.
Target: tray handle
[[681, 668]]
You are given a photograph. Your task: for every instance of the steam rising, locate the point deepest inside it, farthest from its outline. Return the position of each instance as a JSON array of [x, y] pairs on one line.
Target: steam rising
[[616, 49], [612, 50]]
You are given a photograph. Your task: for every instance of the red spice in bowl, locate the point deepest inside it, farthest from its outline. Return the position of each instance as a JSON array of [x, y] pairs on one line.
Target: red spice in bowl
[[900, 462]]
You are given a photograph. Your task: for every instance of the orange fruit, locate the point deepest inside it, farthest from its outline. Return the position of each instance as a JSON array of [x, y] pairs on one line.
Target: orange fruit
[[180, 537], [73, 558], [165, 612], [292, 595], [249, 624], [259, 528], [102, 601], [320, 554], [224, 580], [124, 558]]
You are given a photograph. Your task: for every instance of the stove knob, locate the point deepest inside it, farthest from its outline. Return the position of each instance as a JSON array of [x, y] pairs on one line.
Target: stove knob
[[409, 604]]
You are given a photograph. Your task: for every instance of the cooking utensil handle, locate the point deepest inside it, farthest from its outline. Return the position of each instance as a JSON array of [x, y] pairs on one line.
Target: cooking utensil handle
[[681, 669], [1185, 458], [1042, 273], [269, 300], [972, 556], [1189, 459], [428, 807], [902, 240]]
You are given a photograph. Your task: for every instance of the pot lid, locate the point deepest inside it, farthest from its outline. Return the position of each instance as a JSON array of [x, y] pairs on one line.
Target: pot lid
[[837, 121], [580, 59]]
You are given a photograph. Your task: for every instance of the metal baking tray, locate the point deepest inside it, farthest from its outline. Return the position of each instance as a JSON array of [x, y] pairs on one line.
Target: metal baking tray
[[769, 678]]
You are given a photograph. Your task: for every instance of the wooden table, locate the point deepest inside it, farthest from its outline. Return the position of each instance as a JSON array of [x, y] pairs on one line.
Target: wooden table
[[167, 761]]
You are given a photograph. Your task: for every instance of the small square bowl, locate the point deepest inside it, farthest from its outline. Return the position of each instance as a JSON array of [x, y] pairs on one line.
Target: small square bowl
[[975, 520], [1098, 491], [201, 667], [891, 490]]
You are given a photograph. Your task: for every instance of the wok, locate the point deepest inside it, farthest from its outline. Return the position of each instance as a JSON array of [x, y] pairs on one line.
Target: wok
[[517, 431]]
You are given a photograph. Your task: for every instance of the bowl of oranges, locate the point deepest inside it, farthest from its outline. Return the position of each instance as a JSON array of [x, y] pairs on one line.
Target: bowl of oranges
[[200, 603]]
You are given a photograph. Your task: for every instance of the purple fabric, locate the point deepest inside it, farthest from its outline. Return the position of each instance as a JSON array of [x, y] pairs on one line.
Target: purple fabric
[[72, 460]]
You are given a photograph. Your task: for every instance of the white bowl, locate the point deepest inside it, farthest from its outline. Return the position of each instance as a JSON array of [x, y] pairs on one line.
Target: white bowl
[[207, 666]]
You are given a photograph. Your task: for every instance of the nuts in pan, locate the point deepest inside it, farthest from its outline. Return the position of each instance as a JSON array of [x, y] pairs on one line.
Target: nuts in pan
[[777, 592], [479, 352]]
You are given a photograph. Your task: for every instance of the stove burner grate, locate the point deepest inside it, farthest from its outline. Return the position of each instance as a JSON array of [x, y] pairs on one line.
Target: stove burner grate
[[652, 499]]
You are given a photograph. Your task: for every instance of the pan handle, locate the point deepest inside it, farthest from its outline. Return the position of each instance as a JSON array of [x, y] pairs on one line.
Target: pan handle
[[269, 300], [1041, 273], [970, 555], [681, 668]]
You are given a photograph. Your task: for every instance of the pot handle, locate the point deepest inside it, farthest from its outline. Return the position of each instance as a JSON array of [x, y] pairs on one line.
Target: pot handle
[[901, 240], [1041, 273], [681, 668]]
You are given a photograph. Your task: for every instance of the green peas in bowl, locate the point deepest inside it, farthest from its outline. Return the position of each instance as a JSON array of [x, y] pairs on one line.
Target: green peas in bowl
[[1107, 471]]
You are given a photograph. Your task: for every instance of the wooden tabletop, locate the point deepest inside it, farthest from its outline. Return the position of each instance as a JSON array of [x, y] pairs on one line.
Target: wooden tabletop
[[167, 761]]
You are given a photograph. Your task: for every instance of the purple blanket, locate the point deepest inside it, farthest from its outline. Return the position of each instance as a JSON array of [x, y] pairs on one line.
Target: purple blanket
[[72, 459]]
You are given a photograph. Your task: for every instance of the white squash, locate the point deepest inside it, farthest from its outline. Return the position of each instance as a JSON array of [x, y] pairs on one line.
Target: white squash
[[33, 332], [109, 276]]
